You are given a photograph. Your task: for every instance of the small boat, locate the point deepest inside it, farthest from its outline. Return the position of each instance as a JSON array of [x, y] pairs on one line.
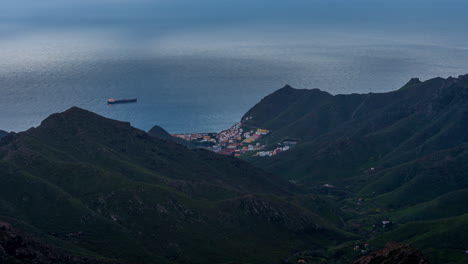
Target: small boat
[[121, 101]]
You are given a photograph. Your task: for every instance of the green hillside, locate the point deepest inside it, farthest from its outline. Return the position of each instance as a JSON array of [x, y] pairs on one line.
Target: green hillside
[[370, 130], [342, 137], [443, 241], [102, 188], [450, 204], [400, 155], [419, 180]]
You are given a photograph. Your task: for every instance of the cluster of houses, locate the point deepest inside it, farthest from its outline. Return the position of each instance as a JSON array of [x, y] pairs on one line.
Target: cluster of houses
[[232, 141], [252, 136], [283, 146], [236, 141], [197, 137], [274, 152]]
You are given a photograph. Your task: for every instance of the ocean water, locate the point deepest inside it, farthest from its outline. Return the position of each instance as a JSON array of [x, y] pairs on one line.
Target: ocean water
[[198, 66]]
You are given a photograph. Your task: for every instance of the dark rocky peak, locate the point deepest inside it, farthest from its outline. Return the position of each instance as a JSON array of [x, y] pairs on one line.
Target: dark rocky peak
[[438, 91], [3, 133], [414, 81], [159, 132], [79, 123], [288, 92], [79, 116], [289, 89], [394, 254], [462, 81], [463, 78]]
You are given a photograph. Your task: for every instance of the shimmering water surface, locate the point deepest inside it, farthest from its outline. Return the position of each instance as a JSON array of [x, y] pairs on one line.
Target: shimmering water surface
[[200, 65]]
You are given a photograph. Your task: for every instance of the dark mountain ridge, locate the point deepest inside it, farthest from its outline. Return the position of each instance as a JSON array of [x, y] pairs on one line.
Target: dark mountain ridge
[[98, 189], [88, 137], [304, 109], [159, 132], [101, 188], [403, 152], [414, 121], [3, 133]]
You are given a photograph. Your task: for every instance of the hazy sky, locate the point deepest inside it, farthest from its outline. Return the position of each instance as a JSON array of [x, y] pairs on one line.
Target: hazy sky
[[208, 53], [159, 24], [417, 15]]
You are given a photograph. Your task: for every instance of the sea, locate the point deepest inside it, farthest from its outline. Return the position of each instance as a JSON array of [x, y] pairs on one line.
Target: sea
[[198, 66]]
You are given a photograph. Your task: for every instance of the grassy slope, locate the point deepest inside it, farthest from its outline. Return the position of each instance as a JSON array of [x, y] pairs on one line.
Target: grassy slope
[[420, 180], [415, 138], [369, 130], [449, 204], [442, 240], [140, 198]]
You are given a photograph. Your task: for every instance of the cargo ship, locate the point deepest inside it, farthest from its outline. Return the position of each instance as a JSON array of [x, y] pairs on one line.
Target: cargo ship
[[121, 101]]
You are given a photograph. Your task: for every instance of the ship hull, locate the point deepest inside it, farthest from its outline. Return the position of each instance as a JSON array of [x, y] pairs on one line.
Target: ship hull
[[122, 101]]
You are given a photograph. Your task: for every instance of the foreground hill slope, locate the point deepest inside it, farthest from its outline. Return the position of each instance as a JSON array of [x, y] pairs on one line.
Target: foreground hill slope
[[101, 188], [401, 155], [393, 254], [444, 240], [17, 247]]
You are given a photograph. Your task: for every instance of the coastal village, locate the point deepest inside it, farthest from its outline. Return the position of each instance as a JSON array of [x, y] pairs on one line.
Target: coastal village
[[235, 141]]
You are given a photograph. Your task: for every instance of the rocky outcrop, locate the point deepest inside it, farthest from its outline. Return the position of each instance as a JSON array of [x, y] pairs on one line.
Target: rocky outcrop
[[159, 132], [394, 254], [19, 248]]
